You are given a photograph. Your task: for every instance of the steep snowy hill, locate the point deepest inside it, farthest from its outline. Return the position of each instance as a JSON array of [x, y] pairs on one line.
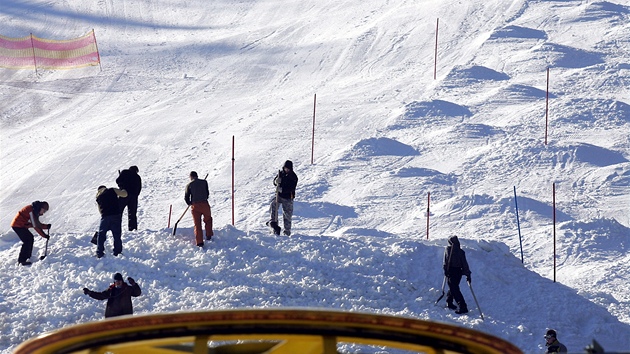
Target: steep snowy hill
[[179, 81]]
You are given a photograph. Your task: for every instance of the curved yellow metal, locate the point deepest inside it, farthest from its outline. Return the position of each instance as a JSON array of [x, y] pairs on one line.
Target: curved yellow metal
[[273, 331]]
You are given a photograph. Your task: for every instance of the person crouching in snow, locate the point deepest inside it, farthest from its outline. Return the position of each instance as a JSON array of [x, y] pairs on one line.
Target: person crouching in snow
[[118, 296], [28, 217]]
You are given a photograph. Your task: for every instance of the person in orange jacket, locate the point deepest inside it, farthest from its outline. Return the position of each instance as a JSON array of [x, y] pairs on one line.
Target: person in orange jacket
[[28, 217]]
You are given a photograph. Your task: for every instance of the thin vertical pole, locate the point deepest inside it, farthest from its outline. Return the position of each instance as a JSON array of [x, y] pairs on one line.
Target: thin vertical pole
[[170, 211], [313, 136], [437, 24], [547, 108], [428, 212], [232, 180], [554, 232], [518, 223], [34, 59], [98, 55]]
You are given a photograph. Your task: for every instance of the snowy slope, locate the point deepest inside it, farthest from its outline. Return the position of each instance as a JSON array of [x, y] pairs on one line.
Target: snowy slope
[[180, 80]]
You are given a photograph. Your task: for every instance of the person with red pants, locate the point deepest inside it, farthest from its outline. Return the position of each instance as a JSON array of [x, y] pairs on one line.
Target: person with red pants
[[196, 197], [27, 218]]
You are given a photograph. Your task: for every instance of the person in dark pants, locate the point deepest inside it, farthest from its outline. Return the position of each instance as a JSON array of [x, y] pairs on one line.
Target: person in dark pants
[[455, 266], [285, 182], [111, 218], [118, 296], [130, 181], [552, 343], [196, 196], [28, 217]]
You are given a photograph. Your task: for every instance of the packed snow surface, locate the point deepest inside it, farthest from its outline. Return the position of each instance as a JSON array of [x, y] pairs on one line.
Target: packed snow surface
[[215, 85]]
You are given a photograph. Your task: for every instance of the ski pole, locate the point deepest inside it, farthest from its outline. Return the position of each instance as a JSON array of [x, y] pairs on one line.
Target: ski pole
[[474, 297], [41, 258]]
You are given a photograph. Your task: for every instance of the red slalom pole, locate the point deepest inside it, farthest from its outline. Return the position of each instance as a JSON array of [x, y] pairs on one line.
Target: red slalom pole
[[428, 212], [547, 108], [313, 136], [554, 232], [437, 24], [170, 211]]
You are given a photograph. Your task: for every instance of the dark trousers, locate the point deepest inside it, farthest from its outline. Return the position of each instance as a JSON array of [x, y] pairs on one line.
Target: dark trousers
[[454, 277], [131, 203], [27, 243], [109, 223]]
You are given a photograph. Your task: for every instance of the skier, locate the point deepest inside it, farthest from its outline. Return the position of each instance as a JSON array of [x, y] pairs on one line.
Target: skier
[[118, 296], [111, 218], [28, 217], [285, 182], [196, 196], [552, 343], [130, 181], [455, 266]]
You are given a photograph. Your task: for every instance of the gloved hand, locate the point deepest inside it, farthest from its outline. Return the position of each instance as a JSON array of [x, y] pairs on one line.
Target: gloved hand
[[468, 278], [47, 226], [86, 290], [130, 280], [46, 237]]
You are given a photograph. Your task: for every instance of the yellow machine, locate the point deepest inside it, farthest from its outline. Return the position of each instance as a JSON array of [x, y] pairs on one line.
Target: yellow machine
[[269, 331]]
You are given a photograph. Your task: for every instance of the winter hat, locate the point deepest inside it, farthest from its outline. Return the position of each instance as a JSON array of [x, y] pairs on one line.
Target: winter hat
[[193, 174], [101, 187], [118, 276], [453, 241], [288, 164], [134, 169], [550, 333]]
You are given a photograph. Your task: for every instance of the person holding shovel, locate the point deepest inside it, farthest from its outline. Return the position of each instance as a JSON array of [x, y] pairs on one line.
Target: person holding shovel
[[28, 217]]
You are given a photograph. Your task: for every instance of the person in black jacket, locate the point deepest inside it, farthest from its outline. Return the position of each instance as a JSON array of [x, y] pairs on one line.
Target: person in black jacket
[[118, 296], [455, 266], [552, 343], [111, 218], [285, 182], [130, 181]]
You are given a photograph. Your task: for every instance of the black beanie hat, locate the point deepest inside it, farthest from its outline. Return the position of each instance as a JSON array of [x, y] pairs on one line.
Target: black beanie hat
[[288, 164], [118, 276]]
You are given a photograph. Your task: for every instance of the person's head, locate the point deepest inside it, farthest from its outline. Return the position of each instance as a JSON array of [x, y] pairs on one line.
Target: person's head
[[288, 166], [101, 187], [40, 207], [118, 280], [193, 175], [550, 336], [134, 169], [453, 241]]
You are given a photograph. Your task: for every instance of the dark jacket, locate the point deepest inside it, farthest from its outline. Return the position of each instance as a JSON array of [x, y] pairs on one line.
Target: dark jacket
[[455, 258], [118, 299], [130, 181], [286, 182], [556, 347], [107, 200], [196, 191]]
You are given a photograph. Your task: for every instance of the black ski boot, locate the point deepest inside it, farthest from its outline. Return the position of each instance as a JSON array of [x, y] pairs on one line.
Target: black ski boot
[[462, 309], [451, 306], [275, 227]]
